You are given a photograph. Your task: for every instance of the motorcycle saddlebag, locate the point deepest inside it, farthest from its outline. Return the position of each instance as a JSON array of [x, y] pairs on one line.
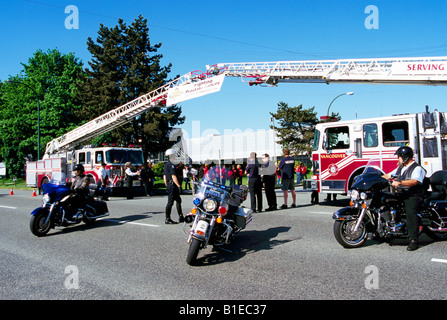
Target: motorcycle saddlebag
[[99, 207], [243, 217]]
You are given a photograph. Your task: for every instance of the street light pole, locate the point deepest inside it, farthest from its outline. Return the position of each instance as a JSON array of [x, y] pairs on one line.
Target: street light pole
[[347, 93], [38, 115]]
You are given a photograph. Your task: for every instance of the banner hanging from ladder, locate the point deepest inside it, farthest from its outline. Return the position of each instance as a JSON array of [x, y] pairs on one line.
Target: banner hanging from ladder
[[194, 89]]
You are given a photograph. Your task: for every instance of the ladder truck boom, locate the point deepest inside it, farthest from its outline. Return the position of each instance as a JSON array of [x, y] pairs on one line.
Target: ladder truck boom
[[416, 70], [116, 117], [404, 71]]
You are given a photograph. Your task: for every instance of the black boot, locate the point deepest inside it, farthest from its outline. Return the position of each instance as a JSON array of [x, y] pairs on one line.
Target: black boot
[[413, 245]]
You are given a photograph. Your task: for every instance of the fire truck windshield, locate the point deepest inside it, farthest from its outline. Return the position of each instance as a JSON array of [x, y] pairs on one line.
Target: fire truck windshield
[[119, 156]]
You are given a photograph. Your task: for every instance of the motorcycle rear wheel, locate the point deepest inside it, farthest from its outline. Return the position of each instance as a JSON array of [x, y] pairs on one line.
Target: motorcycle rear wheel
[[193, 251], [38, 226], [346, 236], [436, 235]]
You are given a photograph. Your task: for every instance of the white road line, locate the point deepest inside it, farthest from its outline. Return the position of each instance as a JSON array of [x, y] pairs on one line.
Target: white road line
[[439, 260], [319, 212], [130, 222], [14, 208]]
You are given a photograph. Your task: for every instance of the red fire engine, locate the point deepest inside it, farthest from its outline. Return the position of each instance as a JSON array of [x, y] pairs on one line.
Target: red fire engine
[[59, 166], [342, 149]]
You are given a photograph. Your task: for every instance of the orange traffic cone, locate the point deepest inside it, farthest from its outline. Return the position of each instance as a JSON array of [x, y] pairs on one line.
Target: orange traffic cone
[[34, 193], [11, 193]]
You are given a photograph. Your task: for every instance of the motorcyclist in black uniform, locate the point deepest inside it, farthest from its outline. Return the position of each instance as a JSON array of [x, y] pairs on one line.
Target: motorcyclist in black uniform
[[410, 178], [79, 188]]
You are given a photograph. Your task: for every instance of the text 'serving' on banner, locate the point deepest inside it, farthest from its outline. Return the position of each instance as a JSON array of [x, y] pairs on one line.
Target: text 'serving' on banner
[[419, 68], [194, 90]]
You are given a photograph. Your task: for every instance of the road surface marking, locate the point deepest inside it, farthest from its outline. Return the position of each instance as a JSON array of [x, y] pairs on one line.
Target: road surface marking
[[14, 208], [439, 260], [130, 222]]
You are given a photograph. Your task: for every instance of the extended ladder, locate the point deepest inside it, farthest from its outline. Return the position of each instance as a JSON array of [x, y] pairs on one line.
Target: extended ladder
[[417, 70]]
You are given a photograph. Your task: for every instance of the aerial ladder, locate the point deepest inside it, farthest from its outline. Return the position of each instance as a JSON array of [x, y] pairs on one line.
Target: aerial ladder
[[402, 71]]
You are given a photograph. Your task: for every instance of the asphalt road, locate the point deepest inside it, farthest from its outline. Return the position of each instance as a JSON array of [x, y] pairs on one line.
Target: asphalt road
[[288, 254]]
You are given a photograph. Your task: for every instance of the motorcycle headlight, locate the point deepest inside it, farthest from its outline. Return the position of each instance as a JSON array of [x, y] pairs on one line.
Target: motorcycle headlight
[[363, 196], [46, 198], [354, 194], [209, 205]]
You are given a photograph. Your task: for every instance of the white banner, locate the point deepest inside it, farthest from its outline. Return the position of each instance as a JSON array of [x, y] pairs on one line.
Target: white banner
[[420, 68], [194, 90]]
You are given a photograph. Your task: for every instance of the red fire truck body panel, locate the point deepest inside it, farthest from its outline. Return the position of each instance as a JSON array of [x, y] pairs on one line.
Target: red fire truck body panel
[[342, 149]]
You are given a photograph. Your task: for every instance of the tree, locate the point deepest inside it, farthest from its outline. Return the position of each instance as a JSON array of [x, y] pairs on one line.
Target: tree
[[296, 127], [54, 77], [124, 66]]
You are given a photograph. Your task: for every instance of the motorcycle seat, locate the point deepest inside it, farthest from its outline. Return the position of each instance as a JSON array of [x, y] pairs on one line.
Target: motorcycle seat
[[435, 195]]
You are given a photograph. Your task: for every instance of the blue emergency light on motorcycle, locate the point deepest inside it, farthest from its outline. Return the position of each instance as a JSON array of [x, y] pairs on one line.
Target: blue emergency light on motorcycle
[[196, 201]]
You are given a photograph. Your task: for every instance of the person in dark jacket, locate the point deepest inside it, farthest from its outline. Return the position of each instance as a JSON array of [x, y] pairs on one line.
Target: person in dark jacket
[[173, 186], [254, 183]]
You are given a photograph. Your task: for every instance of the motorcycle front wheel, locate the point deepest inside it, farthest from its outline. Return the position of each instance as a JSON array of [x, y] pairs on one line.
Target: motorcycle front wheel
[[38, 226], [193, 251], [346, 236]]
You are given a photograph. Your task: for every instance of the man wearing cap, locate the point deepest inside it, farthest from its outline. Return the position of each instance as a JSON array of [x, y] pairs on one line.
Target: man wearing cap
[[173, 188]]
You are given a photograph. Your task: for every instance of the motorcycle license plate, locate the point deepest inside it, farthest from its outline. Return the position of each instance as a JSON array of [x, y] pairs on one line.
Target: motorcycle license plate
[[201, 228]]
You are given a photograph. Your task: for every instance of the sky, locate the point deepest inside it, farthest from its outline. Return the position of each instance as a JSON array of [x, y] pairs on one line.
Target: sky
[[197, 33]]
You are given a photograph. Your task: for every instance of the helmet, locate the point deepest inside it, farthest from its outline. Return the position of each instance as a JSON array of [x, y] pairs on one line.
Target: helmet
[[406, 153], [170, 152], [79, 167]]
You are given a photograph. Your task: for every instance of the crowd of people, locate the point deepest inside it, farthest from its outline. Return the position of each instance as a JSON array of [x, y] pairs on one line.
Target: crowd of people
[[257, 175]]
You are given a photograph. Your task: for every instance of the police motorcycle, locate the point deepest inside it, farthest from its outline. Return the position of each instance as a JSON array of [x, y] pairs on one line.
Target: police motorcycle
[[374, 211], [55, 208], [215, 217]]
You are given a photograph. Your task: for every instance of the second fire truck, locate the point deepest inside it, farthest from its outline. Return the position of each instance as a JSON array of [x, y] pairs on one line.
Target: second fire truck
[[342, 149]]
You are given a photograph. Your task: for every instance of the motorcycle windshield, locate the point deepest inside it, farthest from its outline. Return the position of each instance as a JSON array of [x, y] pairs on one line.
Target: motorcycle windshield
[[371, 177], [209, 189], [55, 191]]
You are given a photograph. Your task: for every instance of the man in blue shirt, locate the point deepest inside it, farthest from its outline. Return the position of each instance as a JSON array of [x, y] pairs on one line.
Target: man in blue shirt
[[287, 165]]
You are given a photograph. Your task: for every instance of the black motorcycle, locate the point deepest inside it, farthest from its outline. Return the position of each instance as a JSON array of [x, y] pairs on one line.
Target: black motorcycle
[[215, 217], [56, 208], [375, 211]]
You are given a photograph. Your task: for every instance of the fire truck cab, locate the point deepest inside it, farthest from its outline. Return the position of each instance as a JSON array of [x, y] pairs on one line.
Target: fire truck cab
[[342, 149]]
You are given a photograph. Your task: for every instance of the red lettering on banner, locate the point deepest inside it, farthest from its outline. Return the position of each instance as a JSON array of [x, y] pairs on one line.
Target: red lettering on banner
[[425, 67]]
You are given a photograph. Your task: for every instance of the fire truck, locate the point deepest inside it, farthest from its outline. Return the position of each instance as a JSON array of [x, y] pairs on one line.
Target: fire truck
[[59, 166], [342, 149], [414, 70]]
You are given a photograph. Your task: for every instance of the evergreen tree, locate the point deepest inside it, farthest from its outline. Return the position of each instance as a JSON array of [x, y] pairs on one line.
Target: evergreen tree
[[296, 127], [125, 66]]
